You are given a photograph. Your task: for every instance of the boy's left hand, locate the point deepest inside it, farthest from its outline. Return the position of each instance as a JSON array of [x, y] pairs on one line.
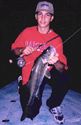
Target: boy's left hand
[[54, 59]]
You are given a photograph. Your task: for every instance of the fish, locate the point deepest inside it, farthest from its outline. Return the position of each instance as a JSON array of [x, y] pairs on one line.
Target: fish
[[39, 71]]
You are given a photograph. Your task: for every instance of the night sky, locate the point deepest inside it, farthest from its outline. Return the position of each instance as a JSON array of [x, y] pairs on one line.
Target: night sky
[[15, 15]]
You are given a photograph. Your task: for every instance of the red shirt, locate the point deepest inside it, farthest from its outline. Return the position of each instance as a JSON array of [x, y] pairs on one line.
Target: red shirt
[[31, 36]]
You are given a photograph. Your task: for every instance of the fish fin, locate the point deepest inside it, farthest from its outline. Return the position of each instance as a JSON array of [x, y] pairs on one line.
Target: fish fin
[[48, 75]]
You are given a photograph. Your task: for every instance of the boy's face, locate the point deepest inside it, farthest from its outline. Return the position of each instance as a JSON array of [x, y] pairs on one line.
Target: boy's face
[[44, 18]]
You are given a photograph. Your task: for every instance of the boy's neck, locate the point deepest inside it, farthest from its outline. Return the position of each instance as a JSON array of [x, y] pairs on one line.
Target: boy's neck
[[44, 30]]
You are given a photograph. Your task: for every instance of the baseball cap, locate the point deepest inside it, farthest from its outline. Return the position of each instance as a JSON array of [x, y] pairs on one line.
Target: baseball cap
[[44, 5]]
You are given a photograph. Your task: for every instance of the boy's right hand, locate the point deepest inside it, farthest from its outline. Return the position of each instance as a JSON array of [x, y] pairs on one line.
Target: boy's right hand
[[28, 50]]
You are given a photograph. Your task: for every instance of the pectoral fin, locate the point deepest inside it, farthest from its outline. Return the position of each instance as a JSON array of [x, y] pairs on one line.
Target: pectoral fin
[[48, 75]]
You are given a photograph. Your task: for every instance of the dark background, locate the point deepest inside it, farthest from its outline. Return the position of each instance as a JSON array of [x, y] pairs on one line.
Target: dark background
[[15, 15]]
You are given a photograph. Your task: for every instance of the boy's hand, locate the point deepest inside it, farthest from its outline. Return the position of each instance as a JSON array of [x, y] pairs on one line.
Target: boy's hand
[[54, 59], [28, 50]]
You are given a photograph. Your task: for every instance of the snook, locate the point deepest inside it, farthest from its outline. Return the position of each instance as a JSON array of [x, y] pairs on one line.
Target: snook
[[39, 70]]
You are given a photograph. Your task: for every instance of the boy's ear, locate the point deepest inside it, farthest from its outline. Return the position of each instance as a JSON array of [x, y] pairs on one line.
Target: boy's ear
[[36, 16], [52, 18]]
